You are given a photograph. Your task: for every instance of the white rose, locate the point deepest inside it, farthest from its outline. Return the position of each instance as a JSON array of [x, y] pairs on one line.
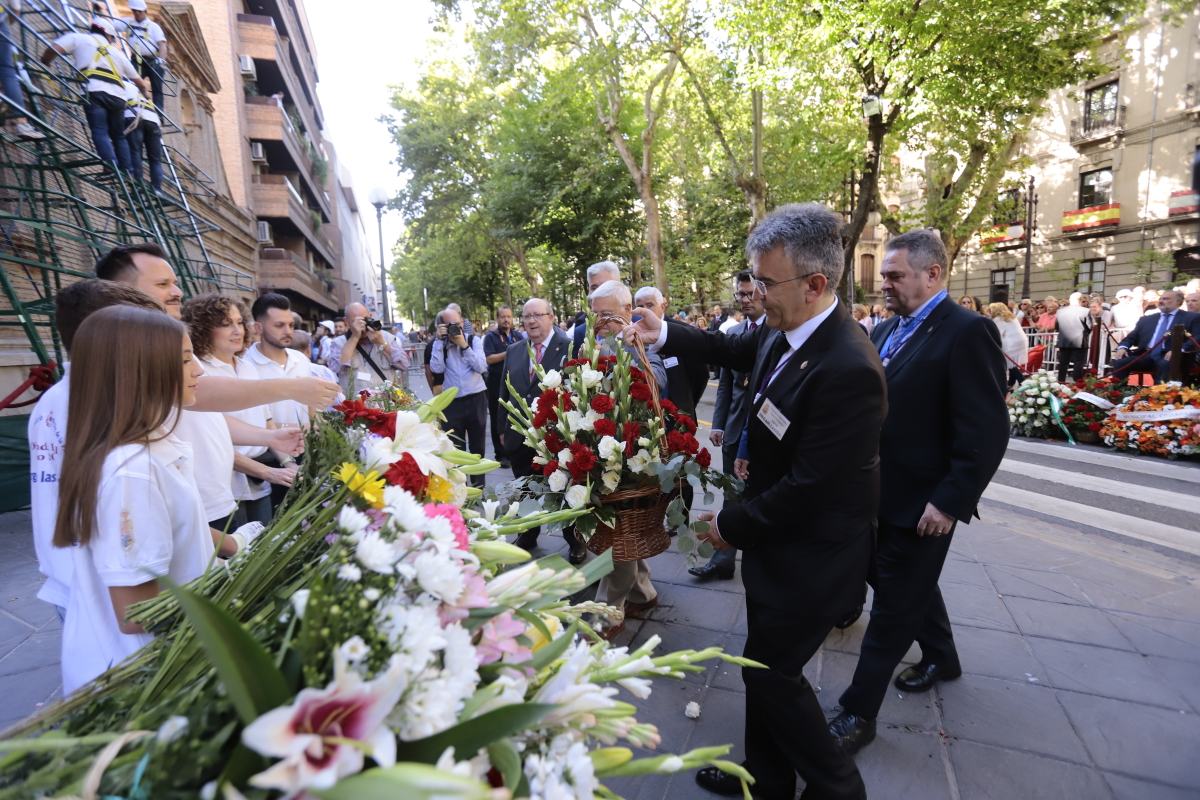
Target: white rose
[[552, 380], [609, 447], [574, 421], [577, 495], [564, 456], [558, 480]]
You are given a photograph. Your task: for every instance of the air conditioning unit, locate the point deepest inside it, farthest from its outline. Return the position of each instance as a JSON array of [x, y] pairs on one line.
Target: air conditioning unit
[[257, 152], [265, 234], [246, 65]]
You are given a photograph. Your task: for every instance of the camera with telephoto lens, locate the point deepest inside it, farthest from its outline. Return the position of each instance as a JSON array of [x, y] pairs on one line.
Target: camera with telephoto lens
[[374, 324]]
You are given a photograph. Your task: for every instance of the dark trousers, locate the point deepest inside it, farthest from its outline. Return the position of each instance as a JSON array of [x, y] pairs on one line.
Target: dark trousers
[[1155, 364], [497, 419], [908, 606], [253, 511], [147, 136], [153, 72], [466, 418], [106, 119], [1071, 355], [727, 556], [786, 731]]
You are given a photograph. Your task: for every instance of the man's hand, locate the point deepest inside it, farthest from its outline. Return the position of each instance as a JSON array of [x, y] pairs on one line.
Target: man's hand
[[717, 438], [376, 337], [314, 392], [741, 468], [461, 341], [712, 535], [934, 522], [287, 440], [355, 331], [647, 328], [1121, 352]]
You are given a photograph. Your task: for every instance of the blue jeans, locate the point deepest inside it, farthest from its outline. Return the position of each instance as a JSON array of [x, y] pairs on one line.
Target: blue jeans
[[149, 136], [8, 70], [106, 118]]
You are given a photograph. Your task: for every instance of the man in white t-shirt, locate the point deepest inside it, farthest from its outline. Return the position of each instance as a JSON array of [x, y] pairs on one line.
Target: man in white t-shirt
[[145, 134], [149, 46], [48, 431], [106, 68]]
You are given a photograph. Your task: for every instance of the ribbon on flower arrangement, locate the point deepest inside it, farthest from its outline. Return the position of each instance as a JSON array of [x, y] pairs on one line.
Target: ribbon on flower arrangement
[[1095, 400], [1056, 415]]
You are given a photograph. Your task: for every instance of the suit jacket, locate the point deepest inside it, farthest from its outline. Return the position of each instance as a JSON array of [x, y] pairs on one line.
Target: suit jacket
[[806, 520], [947, 426], [733, 401], [516, 371], [1142, 335], [1073, 324]]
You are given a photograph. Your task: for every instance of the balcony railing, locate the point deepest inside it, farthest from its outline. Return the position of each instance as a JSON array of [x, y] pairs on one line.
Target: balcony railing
[[275, 196], [282, 269], [1092, 127], [261, 40], [268, 122]]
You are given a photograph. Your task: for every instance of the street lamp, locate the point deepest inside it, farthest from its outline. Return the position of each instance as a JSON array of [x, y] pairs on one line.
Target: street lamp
[[1031, 201], [379, 199]]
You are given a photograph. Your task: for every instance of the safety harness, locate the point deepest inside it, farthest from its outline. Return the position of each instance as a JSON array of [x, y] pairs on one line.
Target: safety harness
[[98, 70]]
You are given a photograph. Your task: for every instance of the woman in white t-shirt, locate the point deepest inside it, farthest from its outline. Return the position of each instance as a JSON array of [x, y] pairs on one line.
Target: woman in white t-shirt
[[216, 325], [128, 507]]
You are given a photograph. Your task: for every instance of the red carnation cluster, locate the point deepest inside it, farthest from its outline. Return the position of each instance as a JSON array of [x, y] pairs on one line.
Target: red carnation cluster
[[602, 404], [704, 459], [548, 406], [407, 475], [554, 442], [640, 391], [575, 362], [630, 433], [668, 406], [380, 423], [550, 468], [686, 422], [680, 442], [581, 463], [605, 427]]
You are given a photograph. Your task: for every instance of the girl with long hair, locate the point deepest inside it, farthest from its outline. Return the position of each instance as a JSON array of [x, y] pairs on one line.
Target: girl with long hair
[[128, 506]]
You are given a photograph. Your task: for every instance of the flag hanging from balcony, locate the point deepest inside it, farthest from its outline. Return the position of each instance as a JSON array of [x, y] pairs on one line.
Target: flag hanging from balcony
[[1184, 202], [1091, 217]]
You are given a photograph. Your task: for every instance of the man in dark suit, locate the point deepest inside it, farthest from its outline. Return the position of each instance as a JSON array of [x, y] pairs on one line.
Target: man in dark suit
[[946, 432], [730, 412], [805, 523], [1151, 330], [549, 346]]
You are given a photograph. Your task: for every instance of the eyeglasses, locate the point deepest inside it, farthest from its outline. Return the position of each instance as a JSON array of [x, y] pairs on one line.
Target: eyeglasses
[[533, 317], [746, 295], [763, 287]]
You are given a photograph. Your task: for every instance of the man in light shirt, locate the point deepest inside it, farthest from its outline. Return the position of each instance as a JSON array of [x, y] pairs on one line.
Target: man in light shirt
[[365, 356], [459, 357], [148, 43]]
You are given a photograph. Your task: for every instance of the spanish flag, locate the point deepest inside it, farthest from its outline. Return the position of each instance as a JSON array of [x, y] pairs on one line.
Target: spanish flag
[[1091, 217]]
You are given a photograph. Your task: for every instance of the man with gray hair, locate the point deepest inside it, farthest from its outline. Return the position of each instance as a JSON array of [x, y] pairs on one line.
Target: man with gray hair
[[944, 438], [1073, 323], [806, 521], [601, 272]]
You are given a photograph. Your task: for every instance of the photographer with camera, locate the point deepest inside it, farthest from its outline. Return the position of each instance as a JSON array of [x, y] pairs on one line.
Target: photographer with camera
[[458, 356], [365, 355]]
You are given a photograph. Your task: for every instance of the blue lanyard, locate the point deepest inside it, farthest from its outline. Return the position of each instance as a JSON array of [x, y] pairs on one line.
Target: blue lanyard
[[897, 340]]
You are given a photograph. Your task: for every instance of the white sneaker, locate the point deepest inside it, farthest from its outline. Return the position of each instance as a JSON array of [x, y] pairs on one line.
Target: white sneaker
[[26, 131]]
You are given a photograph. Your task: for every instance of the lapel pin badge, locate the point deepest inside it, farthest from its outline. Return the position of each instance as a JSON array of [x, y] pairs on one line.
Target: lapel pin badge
[[803, 364]]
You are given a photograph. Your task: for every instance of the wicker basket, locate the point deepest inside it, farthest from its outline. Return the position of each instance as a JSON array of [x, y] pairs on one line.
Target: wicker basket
[[639, 532]]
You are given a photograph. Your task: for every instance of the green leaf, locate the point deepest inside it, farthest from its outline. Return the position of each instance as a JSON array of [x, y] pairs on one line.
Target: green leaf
[[536, 621], [252, 681], [467, 738], [407, 781], [507, 760], [551, 652], [598, 567]]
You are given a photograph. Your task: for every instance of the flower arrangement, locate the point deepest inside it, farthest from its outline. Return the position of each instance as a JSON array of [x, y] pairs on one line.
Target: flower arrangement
[[374, 642], [599, 428], [1085, 411], [1033, 405], [1159, 420]]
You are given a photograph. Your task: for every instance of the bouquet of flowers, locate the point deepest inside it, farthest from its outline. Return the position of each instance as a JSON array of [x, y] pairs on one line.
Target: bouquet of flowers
[[374, 642], [601, 435], [1034, 406], [1085, 411], [1161, 420]]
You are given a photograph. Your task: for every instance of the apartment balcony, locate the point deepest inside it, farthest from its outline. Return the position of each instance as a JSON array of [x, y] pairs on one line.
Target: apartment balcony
[[282, 270], [260, 39], [286, 151], [277, 200], [287, 21], [1091, 220], [1097, 127]]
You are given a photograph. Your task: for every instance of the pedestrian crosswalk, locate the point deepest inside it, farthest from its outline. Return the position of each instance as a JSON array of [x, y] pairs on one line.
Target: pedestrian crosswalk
[[1144, 498]]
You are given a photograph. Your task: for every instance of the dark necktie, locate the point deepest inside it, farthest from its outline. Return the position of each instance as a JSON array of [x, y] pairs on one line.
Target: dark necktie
[[778, 348]]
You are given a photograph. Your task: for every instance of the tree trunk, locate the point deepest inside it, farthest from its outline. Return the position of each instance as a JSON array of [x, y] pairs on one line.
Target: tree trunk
[[868, 186]]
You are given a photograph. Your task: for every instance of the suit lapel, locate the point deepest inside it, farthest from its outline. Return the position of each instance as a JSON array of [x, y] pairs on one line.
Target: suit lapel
[[922, 335], [883, 331], [804, 360], [765, 345]]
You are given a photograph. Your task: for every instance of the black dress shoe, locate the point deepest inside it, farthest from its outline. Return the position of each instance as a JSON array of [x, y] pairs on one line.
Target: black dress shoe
[[922, 676], [577, 553], [718, 782], [527, 541], [851, 732], [710, 571], [850, 619]]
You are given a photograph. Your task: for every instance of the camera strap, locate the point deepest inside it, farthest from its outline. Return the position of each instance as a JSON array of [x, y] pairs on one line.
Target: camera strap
[[371, 362]]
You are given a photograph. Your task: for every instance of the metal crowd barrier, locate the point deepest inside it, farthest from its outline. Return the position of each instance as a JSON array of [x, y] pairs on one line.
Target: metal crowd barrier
[[1101, 347]]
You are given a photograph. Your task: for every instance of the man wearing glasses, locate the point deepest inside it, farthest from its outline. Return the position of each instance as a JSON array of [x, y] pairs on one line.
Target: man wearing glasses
[[546, 344], [458, 355]]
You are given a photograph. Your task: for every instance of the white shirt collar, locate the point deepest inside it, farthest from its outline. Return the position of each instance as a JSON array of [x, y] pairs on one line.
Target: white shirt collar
[[762, 320], [546, 341], [799, 335]]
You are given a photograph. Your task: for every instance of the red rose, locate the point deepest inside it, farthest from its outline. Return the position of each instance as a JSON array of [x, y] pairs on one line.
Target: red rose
[[582, 461], [602, 404], [686, 422], [640, 392], [407, 475], [680, 442], [550, 468], [704, 458], [605, 427]]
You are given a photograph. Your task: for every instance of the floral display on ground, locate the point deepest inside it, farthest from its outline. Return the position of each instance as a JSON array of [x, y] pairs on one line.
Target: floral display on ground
[[1161, 420], [381, 639]]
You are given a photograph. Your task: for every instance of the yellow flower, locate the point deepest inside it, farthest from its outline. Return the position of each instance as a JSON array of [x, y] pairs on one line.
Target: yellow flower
[[440, 490], [368, 486], [537, 640]]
